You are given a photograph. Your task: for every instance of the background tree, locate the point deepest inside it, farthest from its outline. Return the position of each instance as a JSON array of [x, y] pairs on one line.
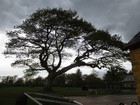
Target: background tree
[[42, 41], [74, 79], [71, 80], [114, 75], [19, 82], [93, 82], [9, 80], [78, 79], [39, 81]]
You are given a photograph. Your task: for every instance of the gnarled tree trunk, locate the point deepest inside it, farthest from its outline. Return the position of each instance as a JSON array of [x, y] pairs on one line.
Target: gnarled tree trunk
[[49, 82]]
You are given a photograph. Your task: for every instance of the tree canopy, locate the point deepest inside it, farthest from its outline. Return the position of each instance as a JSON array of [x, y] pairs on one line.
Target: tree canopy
[[43, 40]]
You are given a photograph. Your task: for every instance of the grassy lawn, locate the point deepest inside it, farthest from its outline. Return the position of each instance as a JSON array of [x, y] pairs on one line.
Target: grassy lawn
[[8, 95]]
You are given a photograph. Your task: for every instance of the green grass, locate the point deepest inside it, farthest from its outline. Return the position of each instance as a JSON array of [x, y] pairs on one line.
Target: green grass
[[8, 95], [69, 91]]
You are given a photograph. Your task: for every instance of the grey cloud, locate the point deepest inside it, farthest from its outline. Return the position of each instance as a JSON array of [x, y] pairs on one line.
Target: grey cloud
[[11, 13], [14, 11], [117, 16]]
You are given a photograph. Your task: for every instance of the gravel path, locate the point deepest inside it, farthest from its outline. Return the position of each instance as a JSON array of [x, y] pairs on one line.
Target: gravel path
[[106, 100]]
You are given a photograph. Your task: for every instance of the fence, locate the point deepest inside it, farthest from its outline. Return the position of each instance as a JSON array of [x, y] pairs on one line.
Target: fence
[[44, 99]]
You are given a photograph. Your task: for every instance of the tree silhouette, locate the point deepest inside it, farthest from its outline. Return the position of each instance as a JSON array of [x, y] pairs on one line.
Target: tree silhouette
[[43, 40]]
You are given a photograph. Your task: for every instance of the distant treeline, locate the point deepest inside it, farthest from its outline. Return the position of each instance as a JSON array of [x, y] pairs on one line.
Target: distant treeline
[[66, 80]]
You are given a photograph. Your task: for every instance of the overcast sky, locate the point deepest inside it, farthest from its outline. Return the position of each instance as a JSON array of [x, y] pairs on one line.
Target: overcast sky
[[117, 16]]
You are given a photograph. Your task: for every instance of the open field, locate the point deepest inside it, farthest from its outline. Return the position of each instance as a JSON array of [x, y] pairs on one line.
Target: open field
[[8, 94]]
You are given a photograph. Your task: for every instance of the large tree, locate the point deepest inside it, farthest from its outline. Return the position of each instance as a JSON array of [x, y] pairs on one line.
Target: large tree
[[43, 40]]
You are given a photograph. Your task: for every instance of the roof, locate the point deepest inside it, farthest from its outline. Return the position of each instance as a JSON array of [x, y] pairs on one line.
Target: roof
[[128, 78], [134, 42]]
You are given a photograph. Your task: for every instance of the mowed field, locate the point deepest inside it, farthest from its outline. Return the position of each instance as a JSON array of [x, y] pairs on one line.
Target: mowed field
[[8, 95]]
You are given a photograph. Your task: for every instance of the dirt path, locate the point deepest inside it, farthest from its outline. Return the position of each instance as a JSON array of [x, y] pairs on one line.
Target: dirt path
[[106, 100]]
